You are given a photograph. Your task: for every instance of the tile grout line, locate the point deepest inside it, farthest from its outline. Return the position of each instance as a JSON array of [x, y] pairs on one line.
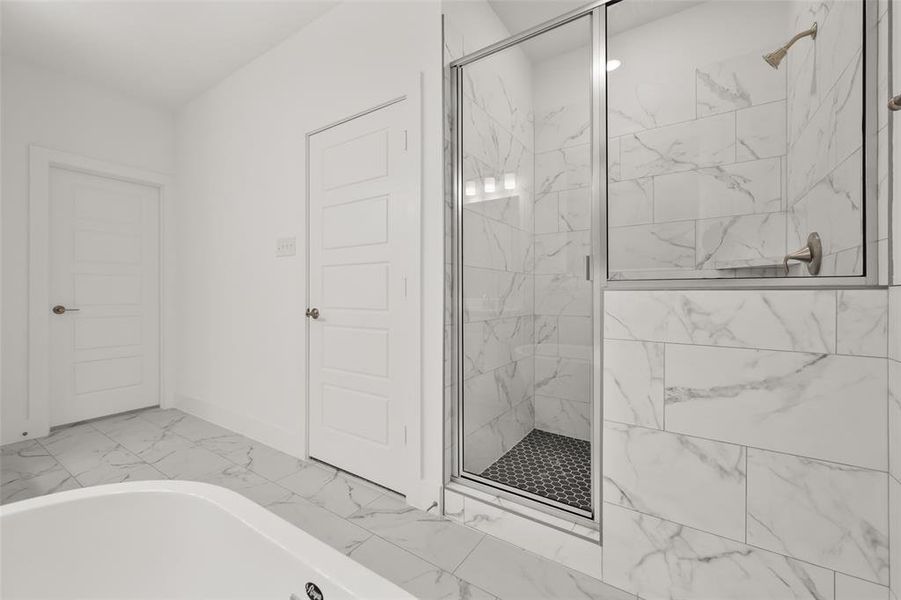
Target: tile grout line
[[468, 554], [733, 540], [743, 445], [57, 461]]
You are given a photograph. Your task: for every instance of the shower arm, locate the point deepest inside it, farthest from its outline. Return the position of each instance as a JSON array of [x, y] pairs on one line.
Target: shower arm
[[812, 32], [776, 56]]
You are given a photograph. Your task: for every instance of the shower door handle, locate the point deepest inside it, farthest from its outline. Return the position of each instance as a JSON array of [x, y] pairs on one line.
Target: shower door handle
[[894, 103]]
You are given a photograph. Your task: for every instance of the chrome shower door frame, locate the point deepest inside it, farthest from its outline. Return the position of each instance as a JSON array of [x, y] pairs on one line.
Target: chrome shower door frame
[[597, 74]]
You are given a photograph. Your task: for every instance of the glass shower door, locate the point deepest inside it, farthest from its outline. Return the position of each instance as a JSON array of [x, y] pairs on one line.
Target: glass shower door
[[743, 147], [525, 218]]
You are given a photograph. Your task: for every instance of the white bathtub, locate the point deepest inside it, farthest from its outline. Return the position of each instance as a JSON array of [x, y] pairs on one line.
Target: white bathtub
[[168, 539]]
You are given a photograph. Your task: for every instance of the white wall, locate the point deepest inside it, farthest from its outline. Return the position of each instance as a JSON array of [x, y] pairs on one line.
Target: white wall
[[48, 109], [240, 159]]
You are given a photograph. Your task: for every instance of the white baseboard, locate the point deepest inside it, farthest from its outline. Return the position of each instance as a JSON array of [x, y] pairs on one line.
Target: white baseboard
[[289, 442]]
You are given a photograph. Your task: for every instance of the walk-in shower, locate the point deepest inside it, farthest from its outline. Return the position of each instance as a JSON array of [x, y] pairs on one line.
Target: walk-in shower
[[526, 262], [641, 144]]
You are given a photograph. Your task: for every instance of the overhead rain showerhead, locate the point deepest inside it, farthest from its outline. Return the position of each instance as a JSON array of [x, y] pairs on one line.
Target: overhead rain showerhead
[[775, 57]]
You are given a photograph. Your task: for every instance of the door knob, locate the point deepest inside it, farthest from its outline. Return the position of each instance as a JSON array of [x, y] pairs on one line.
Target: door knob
[[59, 309], [313, 312]]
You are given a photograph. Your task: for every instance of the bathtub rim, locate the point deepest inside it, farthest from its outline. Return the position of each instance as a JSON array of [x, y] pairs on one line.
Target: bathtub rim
[[330, 564]]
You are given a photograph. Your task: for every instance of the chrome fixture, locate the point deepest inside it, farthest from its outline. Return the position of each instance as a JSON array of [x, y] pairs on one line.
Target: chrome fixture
[[894, 103], [775, 57], [812, 254], [313, 312], [59, 309]]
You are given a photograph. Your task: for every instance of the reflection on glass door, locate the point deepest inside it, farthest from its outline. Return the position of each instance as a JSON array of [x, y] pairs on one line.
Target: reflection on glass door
[[733, 151], [526, 220]]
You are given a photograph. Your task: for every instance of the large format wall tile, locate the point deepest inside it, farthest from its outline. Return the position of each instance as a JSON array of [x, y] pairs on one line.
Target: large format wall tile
[[700, 483], [574, 210], [511, 572], [740, 189], [741, 240], [491, 394], [488, 345], [564, 125], [895, 533], [682, 147], [656, 246], [562, 295], [661, 560], [561, 377], [563, 416], [565, 336], [833, 207], [737, 82], [894, 322], [649, 103], [760, 131], [778, 320], [630, 202], [822, 406], [831, 136], [852, 588], [633, 382], [563, 169], [562, 252], [829, 514], [489, 294], [894, 419], [862, 322], [488, 443], [532, 535], [501, 87]]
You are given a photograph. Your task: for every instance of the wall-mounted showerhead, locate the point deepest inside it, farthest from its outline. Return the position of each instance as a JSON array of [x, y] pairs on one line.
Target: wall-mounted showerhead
[[775, 57]]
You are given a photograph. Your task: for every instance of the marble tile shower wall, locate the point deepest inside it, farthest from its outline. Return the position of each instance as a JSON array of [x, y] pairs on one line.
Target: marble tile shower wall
[[720, 157], [562, 240], [770, 410], [498, 314], [825, 159], [894, 430], [699, 140]]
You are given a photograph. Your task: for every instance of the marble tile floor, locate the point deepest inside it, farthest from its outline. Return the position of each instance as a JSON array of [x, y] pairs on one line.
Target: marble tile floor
[[424, 553], [550, 465]]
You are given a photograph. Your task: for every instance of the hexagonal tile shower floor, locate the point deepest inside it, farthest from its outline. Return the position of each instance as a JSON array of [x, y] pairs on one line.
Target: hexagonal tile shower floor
[[550, 465]]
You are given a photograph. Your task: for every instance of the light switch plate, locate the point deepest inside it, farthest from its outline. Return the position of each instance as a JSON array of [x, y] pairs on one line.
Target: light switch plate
[[286, 246]]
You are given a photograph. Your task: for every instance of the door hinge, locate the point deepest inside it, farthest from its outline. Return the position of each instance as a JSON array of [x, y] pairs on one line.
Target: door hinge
[[405, 287], [404, 132], [588, 267], [405, 435]]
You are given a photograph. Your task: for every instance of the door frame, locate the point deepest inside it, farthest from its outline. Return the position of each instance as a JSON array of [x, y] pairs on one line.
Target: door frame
[[413, 464], [40, 161]]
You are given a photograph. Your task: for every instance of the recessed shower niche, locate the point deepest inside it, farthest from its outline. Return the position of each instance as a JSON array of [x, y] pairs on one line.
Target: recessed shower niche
[[641, 144]]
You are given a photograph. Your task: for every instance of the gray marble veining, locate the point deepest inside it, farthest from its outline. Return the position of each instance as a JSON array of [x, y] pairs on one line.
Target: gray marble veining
[[662, 560], [824, 406], [825, 513], [635, 477], [777, 320]]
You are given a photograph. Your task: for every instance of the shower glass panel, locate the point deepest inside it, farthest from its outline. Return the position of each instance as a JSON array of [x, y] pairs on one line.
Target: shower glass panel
[[735, 132], [525, 219]]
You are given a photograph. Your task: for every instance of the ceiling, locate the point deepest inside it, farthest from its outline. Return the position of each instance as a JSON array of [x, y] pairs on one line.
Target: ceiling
[[165, 52], [519, 15]]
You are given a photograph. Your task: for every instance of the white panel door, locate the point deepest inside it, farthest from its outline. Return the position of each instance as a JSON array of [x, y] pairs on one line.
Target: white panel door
[[362, 190], [104, 270]]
